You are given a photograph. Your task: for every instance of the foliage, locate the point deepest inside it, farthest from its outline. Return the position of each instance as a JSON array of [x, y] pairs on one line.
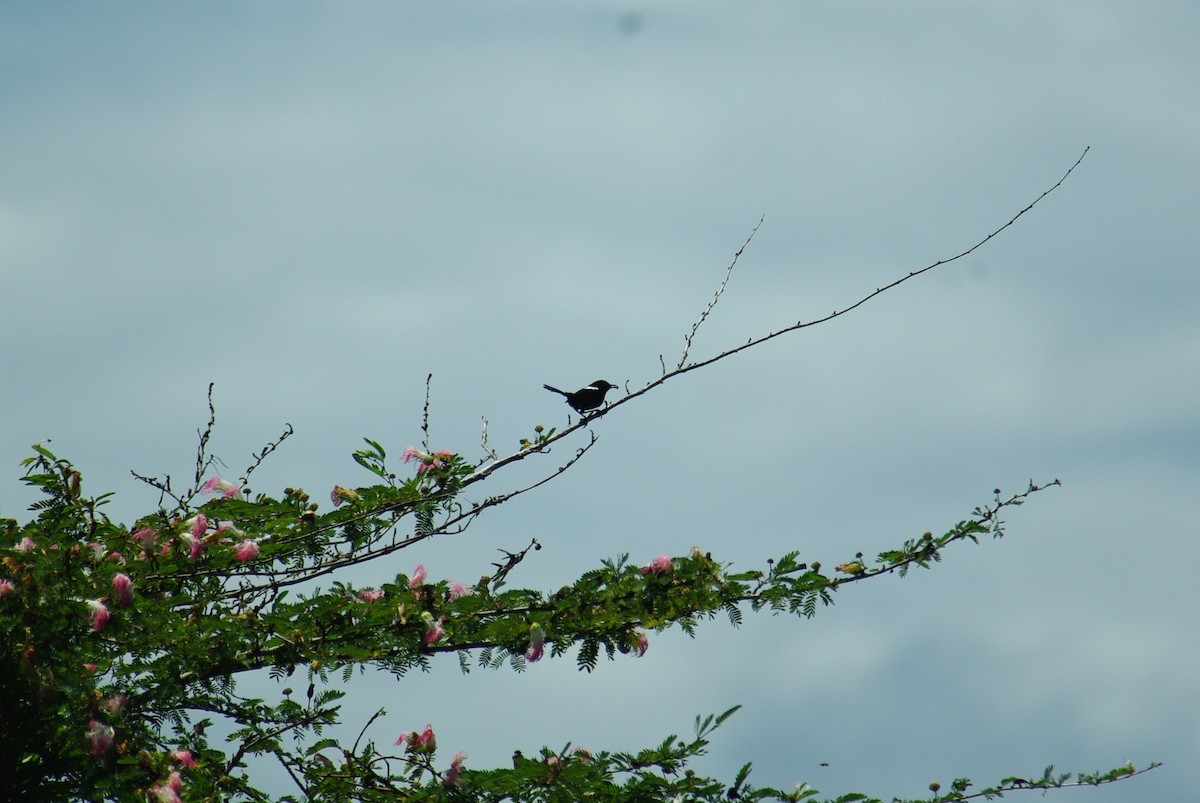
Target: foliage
[[123, 645]]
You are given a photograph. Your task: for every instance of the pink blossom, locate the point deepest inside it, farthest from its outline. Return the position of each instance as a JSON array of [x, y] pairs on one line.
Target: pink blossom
[[245, 550], [427, 460], [435, 631], [25, 545], [425, 741], [659, 565], [6, 586], [100, 738], [457, 590], [418, 576], [122, 589], [144, 538], [196, 525], [169, 791], [165, 794], [340, 494], [369, 595], [216, 485], [537, 641], [195, 545], [99, 614], [98, 550], [643, 644], [413, 453], [184, 757], [115, 705], [455, 768], [227, 527]]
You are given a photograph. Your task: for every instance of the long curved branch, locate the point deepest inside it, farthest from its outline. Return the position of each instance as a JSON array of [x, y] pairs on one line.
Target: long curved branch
[[484, 471]]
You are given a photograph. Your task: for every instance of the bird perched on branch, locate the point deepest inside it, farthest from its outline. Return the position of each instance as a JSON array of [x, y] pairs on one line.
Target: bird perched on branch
[[585, 399]]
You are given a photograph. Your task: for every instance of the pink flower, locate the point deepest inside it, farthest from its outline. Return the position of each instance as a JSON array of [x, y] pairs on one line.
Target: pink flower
[[100, 738], [99, 614], [6, 587], [195, 545], [25, 545], [98, 550], [165, 794], [369, 595], [115, 705], [643, 644], [169, 791], [184, 757], [424, 741], [216, 485], [537, 641], [227, 527], [340, 494], [122, 589], [659, 565], [455, 768], [418, 576], [435, 631], [457, 590], [427, 460], [245, 550], [196, 525], [144, 538]]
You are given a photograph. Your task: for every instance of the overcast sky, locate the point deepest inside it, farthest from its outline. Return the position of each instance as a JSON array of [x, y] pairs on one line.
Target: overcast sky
[[315, 205]]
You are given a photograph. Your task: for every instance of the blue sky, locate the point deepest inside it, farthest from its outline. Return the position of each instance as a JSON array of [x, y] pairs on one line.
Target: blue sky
[[314, 206]]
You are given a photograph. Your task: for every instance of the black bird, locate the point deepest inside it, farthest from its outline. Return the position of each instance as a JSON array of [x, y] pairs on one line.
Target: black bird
[[585, 399]]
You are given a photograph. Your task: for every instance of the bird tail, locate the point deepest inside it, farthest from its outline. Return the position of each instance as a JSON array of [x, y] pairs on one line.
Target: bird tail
[[556, 390]]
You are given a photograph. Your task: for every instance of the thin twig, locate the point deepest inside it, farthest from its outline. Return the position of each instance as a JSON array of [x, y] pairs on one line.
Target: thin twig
[[425, 415], [288, 431], [687, 340], [488, 450], [374, 717]]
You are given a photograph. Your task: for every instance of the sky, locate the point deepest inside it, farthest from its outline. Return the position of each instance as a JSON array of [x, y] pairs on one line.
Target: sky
[[314, 206]]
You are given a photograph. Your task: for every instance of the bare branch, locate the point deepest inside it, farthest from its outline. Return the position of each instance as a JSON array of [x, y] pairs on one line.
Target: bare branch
[[486, 470], [202, 460], [687, 340], [488, 450], [288, 431], [835, 313], [425, 414]]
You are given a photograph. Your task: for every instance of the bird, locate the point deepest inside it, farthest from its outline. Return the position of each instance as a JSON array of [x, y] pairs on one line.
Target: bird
[[588, 398]]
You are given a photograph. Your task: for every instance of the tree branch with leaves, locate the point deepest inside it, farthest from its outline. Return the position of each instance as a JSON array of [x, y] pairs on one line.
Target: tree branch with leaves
[[124, 645]]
